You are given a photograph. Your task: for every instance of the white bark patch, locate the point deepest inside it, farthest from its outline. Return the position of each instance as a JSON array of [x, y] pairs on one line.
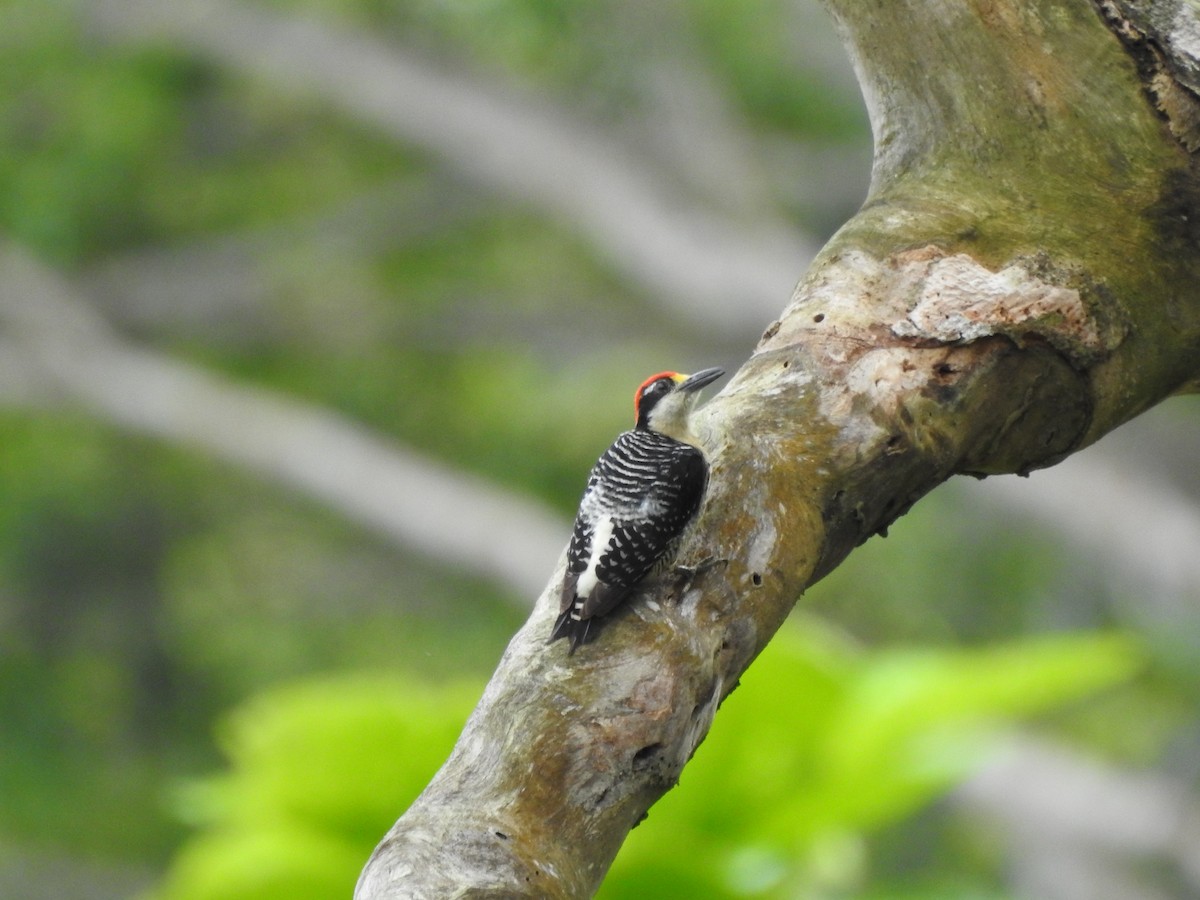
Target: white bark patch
[[925, 295], [884, 373], [957, 301], [1185, 32], [760, 550]]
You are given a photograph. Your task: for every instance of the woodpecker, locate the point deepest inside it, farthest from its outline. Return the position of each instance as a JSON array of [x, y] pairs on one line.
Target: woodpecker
[[640, 494]]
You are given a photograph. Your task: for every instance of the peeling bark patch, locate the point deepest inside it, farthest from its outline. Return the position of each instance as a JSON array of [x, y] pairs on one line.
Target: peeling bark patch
[[1180, 108], [927, 297], [1163, 38], [956, 301]]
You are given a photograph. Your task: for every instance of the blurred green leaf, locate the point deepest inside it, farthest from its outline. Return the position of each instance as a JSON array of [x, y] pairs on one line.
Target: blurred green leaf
[[318, 771], [263, 863], [344, 754], [823, 742]]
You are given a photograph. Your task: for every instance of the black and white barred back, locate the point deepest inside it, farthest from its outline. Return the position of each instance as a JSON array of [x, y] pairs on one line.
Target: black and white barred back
[[639, 497]]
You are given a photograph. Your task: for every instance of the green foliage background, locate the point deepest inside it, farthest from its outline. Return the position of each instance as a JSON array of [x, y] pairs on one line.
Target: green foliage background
[[214, 688]]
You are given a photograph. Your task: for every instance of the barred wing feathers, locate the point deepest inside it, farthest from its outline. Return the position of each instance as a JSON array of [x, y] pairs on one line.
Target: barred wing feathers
[[640, 495]]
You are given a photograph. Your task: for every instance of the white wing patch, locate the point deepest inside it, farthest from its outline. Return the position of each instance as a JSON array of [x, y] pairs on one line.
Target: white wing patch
[[601, 538]]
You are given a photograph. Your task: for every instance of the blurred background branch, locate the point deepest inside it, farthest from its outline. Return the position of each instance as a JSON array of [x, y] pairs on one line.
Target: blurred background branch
[[455, 518], [1080, 829], [728, 274]]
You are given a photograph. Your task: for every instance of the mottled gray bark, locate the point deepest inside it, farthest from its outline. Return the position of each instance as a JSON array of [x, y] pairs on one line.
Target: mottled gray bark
[[1022, 278]]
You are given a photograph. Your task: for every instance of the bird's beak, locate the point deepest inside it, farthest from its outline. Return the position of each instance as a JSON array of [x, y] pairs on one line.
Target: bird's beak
[[699, 379]]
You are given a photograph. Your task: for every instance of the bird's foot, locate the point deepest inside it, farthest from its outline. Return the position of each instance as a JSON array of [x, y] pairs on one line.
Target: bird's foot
[[690, 573]]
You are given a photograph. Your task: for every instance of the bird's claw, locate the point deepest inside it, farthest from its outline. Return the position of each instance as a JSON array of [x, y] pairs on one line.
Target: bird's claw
[[691, 572]]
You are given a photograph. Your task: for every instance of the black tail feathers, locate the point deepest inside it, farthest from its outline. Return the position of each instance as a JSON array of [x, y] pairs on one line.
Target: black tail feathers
[[575, 630]]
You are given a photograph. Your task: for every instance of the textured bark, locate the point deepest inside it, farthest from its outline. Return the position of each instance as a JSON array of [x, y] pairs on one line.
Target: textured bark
[[1022, 278]]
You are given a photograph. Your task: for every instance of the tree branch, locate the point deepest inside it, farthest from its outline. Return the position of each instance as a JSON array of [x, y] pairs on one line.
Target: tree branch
[[723, 273], [223, 286], [452, 516], [1020, 281], [1138, 529], [1068, 817]]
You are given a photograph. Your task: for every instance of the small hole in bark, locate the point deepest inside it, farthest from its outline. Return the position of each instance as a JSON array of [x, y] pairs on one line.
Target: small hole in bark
[[944, 369], [819, 317], [756, 577], [646, 752], [786, 363], [502, 835]]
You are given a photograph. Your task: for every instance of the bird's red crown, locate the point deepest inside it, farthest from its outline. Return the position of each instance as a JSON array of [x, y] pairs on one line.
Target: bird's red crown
[[637, 395]]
